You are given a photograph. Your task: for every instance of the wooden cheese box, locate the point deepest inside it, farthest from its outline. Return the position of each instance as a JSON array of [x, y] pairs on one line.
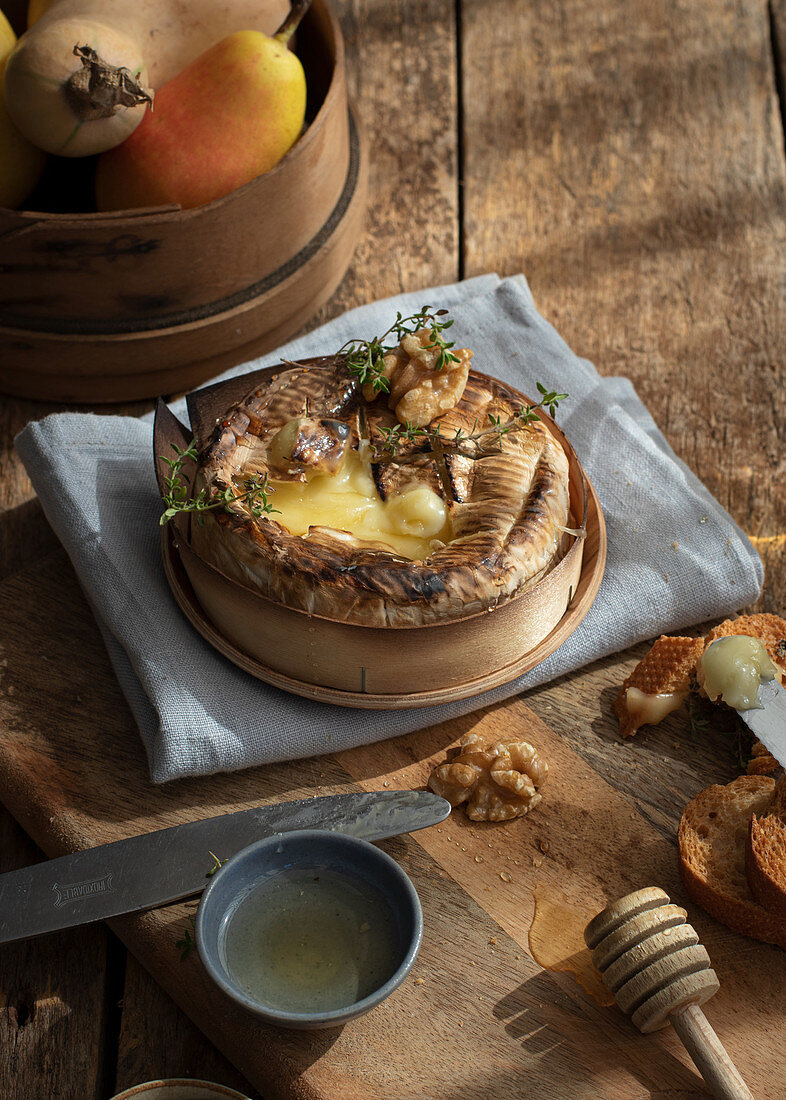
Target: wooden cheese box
[[98, 307]]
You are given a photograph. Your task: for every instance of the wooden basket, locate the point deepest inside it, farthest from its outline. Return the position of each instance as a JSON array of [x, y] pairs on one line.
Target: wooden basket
[[121, 306], [376, 667]]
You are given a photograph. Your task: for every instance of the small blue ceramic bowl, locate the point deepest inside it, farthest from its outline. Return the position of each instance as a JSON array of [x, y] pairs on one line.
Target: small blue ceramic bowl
[[309, 929]]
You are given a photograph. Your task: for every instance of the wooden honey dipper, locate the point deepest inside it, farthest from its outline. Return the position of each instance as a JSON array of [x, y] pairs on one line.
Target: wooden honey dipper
[[659, 973]]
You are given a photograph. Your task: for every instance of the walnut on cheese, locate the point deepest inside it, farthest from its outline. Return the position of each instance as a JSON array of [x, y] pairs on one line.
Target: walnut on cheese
[[497, 781], [418, 392]]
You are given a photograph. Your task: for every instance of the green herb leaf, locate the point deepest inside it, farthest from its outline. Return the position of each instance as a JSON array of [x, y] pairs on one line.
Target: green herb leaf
[[254, 492], [365, 358], [185, 945], [496, 429], [217, 864]]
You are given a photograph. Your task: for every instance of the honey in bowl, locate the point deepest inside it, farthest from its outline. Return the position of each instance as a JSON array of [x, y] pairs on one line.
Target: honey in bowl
[[310, 928], [308, 940]]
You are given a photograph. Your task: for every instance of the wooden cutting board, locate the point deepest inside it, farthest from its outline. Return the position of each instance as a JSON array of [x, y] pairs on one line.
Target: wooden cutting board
[[478, 1017]]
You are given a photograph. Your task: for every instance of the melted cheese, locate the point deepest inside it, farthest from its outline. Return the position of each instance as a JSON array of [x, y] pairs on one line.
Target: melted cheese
[[732, 669], [408, 523], [651, 709]]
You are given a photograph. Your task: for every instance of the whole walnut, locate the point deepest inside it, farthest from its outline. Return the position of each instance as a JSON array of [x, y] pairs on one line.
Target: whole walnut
[[419, 392], [497, 781]]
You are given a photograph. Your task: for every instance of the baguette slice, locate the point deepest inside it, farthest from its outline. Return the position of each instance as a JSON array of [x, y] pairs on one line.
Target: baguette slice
[[712, 837], [762, 762], [666, 670], [765, 854]]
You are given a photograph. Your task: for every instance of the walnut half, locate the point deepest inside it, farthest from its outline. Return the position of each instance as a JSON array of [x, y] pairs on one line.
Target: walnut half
[[497, 781], [418, 391]]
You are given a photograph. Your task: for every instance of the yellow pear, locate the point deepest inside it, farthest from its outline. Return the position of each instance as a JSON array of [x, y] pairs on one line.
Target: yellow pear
[[228, 117], [21, 163]]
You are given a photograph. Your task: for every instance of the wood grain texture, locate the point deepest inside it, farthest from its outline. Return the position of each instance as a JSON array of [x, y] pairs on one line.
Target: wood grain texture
[[24, 532], [475, 997], [709, 1055], [158, 1041], [108, 307], [778, 32], [401, 75], [629, 158], [413, 195], [149, 362], [48, 992], [52, 999]]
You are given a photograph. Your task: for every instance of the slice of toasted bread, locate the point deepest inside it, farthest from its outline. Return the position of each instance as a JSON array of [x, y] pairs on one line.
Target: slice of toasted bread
[[666, 670], [765, 854], [671, 664], [762, 762], [712, 838], [778, 804]]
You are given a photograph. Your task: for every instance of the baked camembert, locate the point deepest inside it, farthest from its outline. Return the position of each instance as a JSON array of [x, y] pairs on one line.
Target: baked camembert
[[424, 492]]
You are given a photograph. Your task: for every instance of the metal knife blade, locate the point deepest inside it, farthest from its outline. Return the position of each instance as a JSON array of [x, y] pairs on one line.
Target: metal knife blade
[[143, 872], [768, 721]]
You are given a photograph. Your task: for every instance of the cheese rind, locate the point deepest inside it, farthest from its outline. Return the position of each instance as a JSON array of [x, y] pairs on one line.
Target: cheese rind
[[502, 531]]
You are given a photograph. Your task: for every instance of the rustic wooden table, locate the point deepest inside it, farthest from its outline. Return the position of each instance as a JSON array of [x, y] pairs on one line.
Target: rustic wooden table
[[628, 156]]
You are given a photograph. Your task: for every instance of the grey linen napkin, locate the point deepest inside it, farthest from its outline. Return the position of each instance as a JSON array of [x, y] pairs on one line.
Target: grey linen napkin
[[675, 556]]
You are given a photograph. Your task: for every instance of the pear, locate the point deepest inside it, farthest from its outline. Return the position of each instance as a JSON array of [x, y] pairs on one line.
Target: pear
[[229, 116], [21, 164]]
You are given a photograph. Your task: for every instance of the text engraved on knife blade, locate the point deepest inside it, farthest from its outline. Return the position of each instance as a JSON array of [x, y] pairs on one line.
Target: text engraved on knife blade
[[78, 890]]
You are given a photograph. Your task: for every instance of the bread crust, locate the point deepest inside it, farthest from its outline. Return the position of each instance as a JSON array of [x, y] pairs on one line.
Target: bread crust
[[667, 668], [671, 665], [765, 854], [769, 629], [508, 510], [712, 838]]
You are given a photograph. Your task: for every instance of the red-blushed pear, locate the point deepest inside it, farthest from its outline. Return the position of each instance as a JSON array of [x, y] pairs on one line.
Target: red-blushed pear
[[228, 117]]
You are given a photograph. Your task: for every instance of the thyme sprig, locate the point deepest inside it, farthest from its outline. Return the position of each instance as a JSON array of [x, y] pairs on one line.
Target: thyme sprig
[[394, 437], [187, 943], [254, 492], [364, 358], [217, 864]]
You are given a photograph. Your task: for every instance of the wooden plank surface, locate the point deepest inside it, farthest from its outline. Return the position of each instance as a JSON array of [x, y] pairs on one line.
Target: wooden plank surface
[[629, 158], [156, 1039], [475, 991], [52, 993], [411, 128]]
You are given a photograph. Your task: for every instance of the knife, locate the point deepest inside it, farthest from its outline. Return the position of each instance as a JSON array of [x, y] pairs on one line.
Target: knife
[[768, 720], [143, 872]]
